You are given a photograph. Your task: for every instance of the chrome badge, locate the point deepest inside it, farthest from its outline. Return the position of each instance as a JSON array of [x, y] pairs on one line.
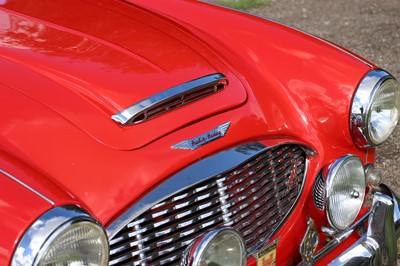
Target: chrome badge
[[192, 144], [309, 243]]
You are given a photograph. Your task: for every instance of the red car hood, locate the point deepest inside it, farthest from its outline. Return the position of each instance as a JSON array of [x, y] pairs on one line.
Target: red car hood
[[83, 66], [80, 64]]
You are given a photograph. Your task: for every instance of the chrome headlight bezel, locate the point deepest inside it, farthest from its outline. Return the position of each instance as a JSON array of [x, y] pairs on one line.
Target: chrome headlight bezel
[[198, 249], [333, 185], [48, 228], [367, 93]]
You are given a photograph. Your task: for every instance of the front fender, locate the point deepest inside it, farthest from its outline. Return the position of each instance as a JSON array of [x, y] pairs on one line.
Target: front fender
[[19, 207]]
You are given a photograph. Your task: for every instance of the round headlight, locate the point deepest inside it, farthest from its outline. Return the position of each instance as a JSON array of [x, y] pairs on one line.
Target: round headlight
[[345, 191], [375, 109], [222, 247], [63, 236]]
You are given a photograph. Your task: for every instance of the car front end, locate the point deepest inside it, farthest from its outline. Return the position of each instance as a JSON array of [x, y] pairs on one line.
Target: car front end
[[159, 136]]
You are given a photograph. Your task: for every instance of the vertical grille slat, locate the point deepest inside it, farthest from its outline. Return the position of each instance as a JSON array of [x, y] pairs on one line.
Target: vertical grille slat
[[254, 197]]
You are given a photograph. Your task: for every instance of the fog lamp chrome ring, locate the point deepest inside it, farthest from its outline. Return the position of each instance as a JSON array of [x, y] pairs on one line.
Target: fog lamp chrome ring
[[223, 246], [345, 191]]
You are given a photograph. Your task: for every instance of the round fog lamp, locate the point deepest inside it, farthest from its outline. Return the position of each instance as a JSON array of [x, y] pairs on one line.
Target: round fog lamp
[[222, 247], [345, 191]]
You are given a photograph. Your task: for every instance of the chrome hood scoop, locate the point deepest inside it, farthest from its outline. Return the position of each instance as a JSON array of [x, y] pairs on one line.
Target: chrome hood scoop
[[89, 71], [171, 99]]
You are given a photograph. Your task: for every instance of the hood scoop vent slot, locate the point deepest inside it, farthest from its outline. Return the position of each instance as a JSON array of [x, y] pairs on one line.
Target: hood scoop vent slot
[[171, 99]]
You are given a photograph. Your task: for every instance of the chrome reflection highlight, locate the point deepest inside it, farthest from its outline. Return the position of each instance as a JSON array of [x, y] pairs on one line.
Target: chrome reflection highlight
[[319, 192], [373, 176], [309, 243], [378, 245], [27, 186], [45, 234], [375, 109], [171, 99], [203, 139], [252, 188], [224, 246], [345, 191]]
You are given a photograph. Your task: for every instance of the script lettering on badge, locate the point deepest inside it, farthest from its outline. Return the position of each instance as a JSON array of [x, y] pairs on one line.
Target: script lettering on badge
[[206, 138], [192, 144]]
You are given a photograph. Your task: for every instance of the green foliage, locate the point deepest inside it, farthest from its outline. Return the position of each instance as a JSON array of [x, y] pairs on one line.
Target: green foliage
[[243, 4]]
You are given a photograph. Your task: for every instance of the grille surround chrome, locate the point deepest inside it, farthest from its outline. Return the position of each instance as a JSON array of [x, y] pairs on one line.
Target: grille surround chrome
[[192, 177]]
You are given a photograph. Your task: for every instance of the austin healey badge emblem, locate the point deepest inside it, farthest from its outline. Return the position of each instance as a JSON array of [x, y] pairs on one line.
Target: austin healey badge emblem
[[309, 243], [192, 144]]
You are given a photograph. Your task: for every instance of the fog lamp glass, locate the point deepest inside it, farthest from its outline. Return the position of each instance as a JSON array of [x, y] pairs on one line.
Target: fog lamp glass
[[82, 243], [225, 249], [384, 112], [220, 247], [345, 191]]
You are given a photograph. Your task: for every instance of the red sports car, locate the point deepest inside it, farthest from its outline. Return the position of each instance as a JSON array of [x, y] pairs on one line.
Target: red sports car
[[138, 132]]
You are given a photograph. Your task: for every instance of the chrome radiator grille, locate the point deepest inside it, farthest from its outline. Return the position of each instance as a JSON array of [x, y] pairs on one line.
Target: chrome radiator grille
[[254, 196]]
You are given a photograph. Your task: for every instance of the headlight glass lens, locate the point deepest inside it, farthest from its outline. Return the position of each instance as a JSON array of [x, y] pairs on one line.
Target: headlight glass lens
[[375, 110], [225, 249], [64, 235], [82, 243], [385, 111], [345, 191], [220, 247]]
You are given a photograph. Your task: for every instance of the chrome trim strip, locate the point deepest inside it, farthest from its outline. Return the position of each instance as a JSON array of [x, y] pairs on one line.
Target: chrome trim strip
[[129, 114], [342, 237], [308, 150], [196, 173], [27, 187], [187, 177]]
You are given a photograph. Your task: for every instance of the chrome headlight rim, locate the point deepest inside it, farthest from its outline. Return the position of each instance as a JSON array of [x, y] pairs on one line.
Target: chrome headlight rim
[[196, 250], [31, 250], [361, 105], [330, 186]]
